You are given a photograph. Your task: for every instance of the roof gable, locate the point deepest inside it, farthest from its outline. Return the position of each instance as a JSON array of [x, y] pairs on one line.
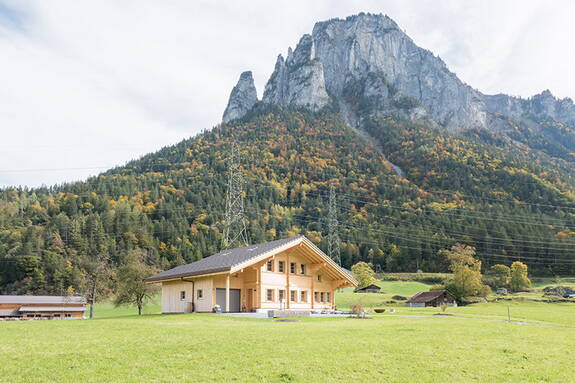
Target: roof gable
[[234, 260]]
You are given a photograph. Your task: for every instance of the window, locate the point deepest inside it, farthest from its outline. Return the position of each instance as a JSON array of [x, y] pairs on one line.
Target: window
[[270, 265], [182, 295], [322, 295], [302, 269], [292, 267], [327, 297], [303, 297], [200, 293], [281, 266], [269, 295], [293, 296], [68, 315], [281, 295], [316, 296], [319, 278]]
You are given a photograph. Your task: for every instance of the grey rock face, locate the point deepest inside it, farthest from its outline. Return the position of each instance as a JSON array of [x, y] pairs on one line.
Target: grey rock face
[[540, 105], [242, 99], [374, 43], [298, 80], [367, 64], [340, 51]]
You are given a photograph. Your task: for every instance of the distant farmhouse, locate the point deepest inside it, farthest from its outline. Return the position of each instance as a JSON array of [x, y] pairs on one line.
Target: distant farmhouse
[[432, 299], [289, 273], [368, 289], [41, 307]]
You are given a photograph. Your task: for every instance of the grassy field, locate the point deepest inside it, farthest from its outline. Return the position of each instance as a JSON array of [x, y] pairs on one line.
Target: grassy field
[[474, 344], [210, 348]]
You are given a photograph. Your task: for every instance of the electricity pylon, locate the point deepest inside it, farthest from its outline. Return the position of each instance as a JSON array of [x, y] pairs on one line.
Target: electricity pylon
[[235, 232], [333, 230]]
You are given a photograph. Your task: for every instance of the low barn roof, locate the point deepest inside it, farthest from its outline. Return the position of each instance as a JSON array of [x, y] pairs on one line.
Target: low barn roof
[[39, 299], [427, 296], [50, 309], [372, 286], [8, 312], [222, 261]]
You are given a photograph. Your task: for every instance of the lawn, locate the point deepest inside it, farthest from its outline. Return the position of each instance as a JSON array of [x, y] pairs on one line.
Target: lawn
[[210, 348], [474, 343]]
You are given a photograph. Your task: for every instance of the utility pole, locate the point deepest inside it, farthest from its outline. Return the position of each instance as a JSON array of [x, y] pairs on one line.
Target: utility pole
[[235, 231], [333, 230]]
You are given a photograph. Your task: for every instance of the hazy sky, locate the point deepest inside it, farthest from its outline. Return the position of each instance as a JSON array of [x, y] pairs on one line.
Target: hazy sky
[[86, 85]]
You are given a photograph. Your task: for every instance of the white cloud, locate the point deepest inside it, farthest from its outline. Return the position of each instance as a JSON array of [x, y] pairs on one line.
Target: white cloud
[[91, 84]]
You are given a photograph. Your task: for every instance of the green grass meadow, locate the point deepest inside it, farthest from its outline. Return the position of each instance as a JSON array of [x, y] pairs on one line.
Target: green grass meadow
[[473, 344]]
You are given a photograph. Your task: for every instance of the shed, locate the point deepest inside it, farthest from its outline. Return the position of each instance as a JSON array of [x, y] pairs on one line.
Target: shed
[[432, 299], [41, 307], [368, 289]]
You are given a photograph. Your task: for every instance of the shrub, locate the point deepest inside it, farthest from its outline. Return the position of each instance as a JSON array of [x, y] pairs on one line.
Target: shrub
[[437, 287]]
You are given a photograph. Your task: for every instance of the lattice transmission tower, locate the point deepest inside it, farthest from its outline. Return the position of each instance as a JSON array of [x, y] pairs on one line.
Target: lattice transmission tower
[[333, 228], [235, 232]]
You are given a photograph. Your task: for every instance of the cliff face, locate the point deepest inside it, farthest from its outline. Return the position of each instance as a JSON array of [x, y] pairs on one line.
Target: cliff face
[[359, 45], [298, 80], [543, 105], [242, 99], [367, 59]]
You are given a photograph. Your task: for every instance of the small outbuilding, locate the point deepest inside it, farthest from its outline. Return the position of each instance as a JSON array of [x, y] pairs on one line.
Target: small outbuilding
[[41, 307], [432, 299], [368, 289]]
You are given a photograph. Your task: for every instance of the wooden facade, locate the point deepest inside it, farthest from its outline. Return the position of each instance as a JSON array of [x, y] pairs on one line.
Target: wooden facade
[[297, 277]]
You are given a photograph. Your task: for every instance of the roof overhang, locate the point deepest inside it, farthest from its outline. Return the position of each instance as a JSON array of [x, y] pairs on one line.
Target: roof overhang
[[51, 309], [184, 276], [313, 249]]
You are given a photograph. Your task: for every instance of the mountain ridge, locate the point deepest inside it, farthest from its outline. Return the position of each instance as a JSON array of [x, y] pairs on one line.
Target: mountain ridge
[[342, 50]]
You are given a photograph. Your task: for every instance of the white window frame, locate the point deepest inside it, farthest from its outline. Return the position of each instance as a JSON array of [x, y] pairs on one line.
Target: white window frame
[[293, 294], [182, 295], [270, 266], [281, 266], [200, 294], [303, 296]]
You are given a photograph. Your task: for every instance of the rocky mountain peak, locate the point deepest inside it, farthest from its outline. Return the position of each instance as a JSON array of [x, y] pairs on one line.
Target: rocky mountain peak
[[242, 99], [368, 58]]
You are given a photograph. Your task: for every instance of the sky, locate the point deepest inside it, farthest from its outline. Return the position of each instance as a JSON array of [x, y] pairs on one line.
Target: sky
[[88, 85]]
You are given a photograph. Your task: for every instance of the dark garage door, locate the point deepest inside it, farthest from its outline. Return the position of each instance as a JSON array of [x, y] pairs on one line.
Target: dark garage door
[[234, 299]]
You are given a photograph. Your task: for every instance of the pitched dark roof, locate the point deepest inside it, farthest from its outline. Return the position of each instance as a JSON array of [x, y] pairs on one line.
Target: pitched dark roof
[[222, 261], [372, 286], [427, 296], [38, 299]]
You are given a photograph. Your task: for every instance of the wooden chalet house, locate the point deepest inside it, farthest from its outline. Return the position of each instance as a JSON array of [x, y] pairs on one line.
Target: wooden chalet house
[[290, 273]]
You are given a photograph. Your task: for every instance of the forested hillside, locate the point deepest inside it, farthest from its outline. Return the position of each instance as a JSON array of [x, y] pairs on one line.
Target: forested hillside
[[169, 205]]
